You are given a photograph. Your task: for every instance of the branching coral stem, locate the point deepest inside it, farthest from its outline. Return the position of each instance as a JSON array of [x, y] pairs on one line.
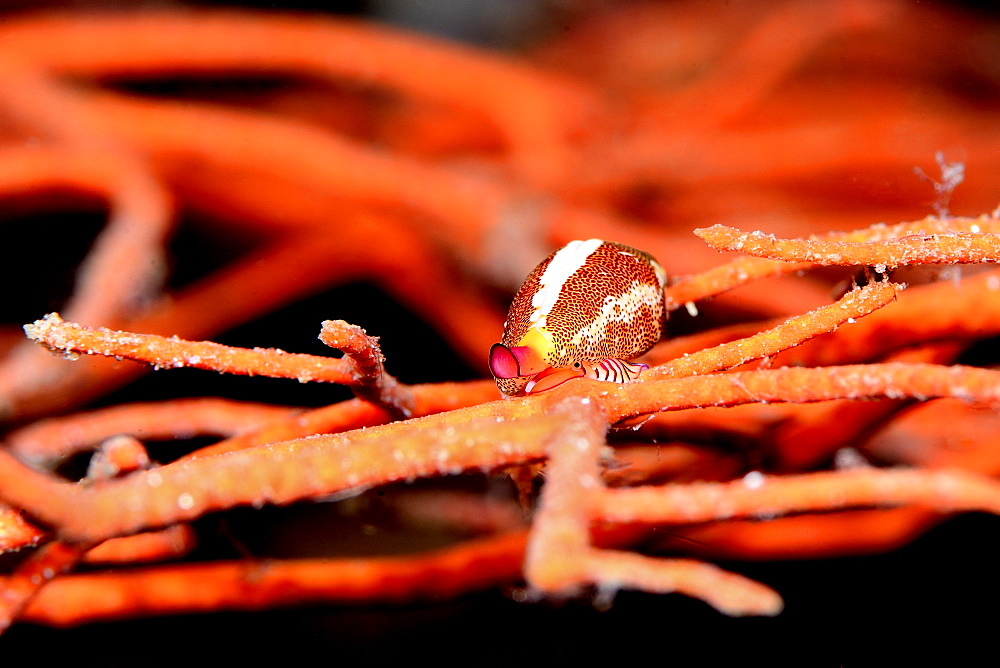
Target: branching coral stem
[[274, 473], [162, 352], [761, 496], [747, 269], [790, 333], [799, 385], [532, 108], [52, 559], [46, 442], [119, 455], [484, 437], [559, 559], [357, 414], [15, 531], [371, 382], [256, 584], [909, 250]]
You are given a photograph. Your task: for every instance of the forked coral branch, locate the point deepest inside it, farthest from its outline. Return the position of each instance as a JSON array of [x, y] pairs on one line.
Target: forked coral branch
[[742, 270], [117, 456], [166, 353], [371, 382], [360, 369], [560, 559]]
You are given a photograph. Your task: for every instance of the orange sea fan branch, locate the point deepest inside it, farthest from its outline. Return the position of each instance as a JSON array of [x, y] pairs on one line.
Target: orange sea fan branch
[[959, 311], [150, 546], [274, 473], [535, 110], [122, 270], [162, 352], [763, 496], [357, 414], [559, 558], [889, 253], [371, 382], [747, 269], [796, 384], [117, 456], [15, 531], [42, 566], [46, 442], [790, 333], [844, 533], [132, 241], [329, 464], [254, 584]]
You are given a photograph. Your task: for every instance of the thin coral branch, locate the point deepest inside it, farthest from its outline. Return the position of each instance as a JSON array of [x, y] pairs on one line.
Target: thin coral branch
[[855, 304], [747, 269], [253, 584], [799, 385], [943, 311], [17, 532], [371, 382], [46, 442], [532, 110], [306, 468], [559, 558], [150, 546], [757, 495], [117, 456], [357, 414], [39, 569], [849, 532], [124, 267], [909, 250], [361, 368], [162, 352], [342, 463]]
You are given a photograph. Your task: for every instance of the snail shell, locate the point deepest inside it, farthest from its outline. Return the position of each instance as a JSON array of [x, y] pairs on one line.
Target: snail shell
[[586, 310]]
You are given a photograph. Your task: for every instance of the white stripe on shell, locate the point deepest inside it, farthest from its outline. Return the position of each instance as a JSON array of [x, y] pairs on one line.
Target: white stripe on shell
[[566, 262]]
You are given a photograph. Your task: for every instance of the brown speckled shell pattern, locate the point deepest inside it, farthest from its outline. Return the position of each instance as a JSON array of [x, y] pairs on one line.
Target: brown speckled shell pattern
[[625, 274], [511, 386]]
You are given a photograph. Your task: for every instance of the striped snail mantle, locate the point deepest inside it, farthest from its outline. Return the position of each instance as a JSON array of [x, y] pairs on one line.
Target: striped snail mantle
[[586, 311]]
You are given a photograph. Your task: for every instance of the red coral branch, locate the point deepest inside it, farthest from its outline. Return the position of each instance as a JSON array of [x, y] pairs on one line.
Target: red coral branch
[[117, 456], [57, 334], [790, 333], [758, 495], [371, 382], [47, 442], [254, 585], [908, 250], [742, 270], [559, 558]]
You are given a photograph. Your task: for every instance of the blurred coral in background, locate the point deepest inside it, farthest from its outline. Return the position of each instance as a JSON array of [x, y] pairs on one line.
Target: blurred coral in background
[[178, 173]]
